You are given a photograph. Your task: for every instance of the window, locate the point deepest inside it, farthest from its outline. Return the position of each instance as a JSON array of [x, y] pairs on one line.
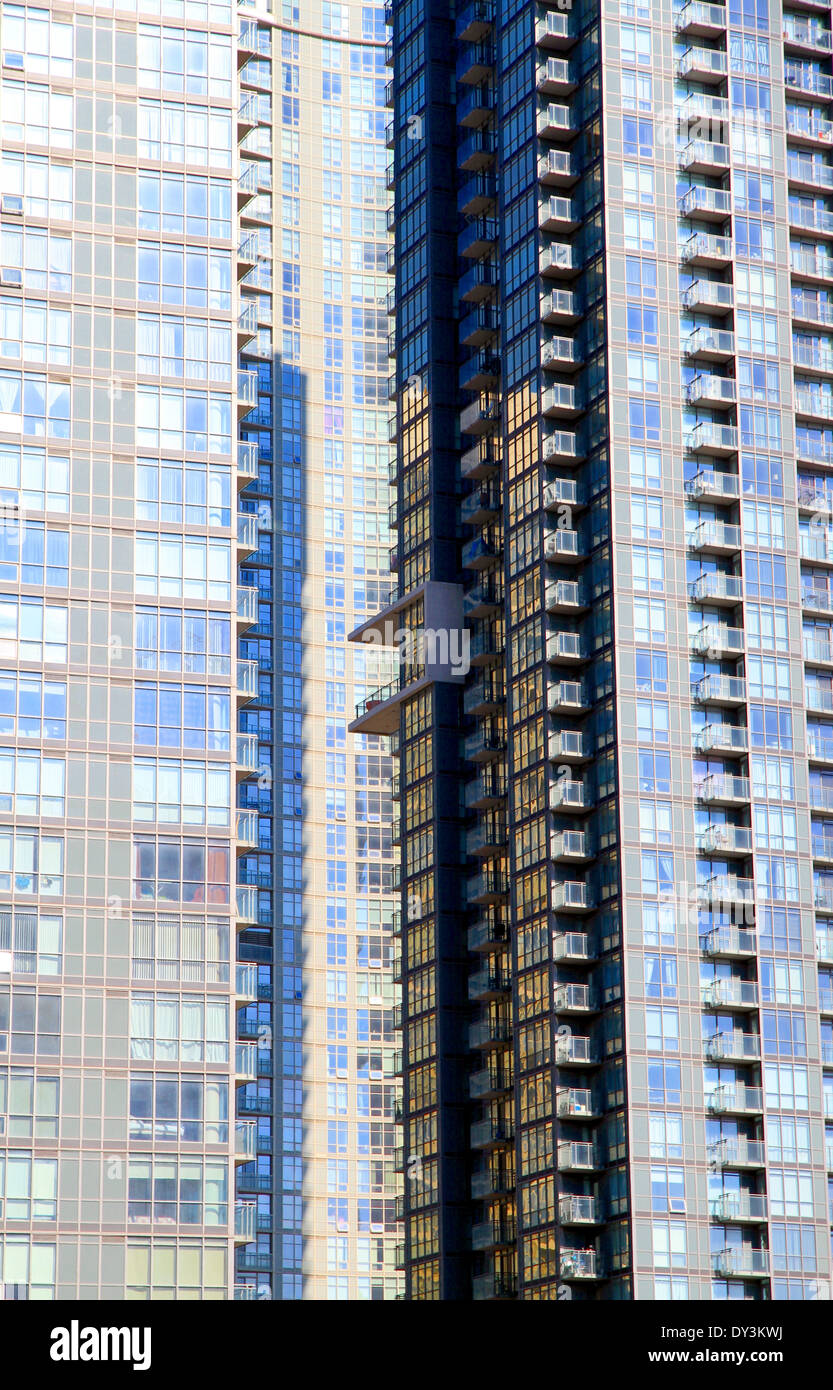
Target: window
[[30, 943], [31, 707], [193, 567], [181, 716], [187, 1191], [194, 950], [662, 1029], [182, 1109], [31, 863], [187, 1028], [180, 871], [667, 1188], [29, 1186]]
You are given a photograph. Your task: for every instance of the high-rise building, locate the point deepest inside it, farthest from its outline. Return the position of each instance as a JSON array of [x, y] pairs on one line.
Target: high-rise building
[[119, 540], [614, 444], [197, 1090], [313, 337]]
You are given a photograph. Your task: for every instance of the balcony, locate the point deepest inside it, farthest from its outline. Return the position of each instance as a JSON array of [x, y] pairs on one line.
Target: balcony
[[742, 1207], [706, 157], [489, 984], [557, 167], [734, 1047], [707, 204], [729, 993], [555, 122], [722, 789], [741, 1263], [806, 128], [492, 1133], [245, 1063], [559, 260], [817, 547], [811, 265], [488, 1235], [566, 648], [818, 651], [729, 943], [476, 150], [491, 933], [555, 29], [561, 446], [247, 461], [817, 221], [555, 77], [492, 1081], [247, 609], [480, 325], [486, 743], [578, 1157], [570, 795], [708, 438], [708, 485], [735, 1099], [806, 36], [475, 62], [570, 846], [573, 948], [560, 306], [481, 460], [246, 392], [703, 65], [821, 797], [725, 839], [475, 20], [722, 738], [246, 753], [716, 392], [573, 1050], [720, 690], [716, 642], [478, 195], [710, 345], [560, 400], [245, 904], [565, 596], [557, 214], [819, 748], [574, 1104], [245, 1141], [245, 1219], [702, 249], [573, 999], [489, 1032], [247, 537], [700, 20], [560, 492], [475, 105], [561, 355], [480, 371], [478, 237], [481, 416], [715, 538], [578, 1211], [572, 896], [246, 827], [569, 745], [567, 696], [716, 588], [489, 886], [727, 891], [246, 680], [485, 695], [496, 1284], [709, 297], [579, 1265]]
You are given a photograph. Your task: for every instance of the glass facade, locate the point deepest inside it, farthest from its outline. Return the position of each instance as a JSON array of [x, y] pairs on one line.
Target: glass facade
[[612, 435]]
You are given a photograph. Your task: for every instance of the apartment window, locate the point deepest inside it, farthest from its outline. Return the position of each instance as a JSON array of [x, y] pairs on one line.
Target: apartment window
[[666, 1135], [35, 331], [28, 1107], [669, 1244], [186, 1109], [168, 639], [30, 943], [172, 274], [187, 1192], [667, 1188], [787, 1088], [30, 784], [28, 1187], [180, 716], [171, 1028], [191, 949], [662, 1029], [30, 1023], [180, 871], [31, 863]]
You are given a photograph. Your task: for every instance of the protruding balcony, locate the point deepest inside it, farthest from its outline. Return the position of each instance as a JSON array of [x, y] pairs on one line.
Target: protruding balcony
[[245, 1063], [245, 904], [570, 846], [479, 282], [568, 696], [482, 416], [492, 1133], [489, 886], [497, 1284], [733, 1098], [559, 260], [703, 249], [720, 690], [246, 684], [706, 157], [821, 797], [715, 392], [709, 438], [734, 1047], [722, 789], [561, 446], [565, 596], [246, 751], [247, 836], [491, 933], [578, 1211], [573, 948], [561, 355], [579, 1265], [716, 589], [560, 492], [572, 896], [817, 599], [478, 237], [475, 20], [557, 167], [480, 325], [710, 485], [247, 606], [707, 204], [245, 1222], [806, 36], [708, 65], [245, 983], [556, 122], [563, 545], [486, 790], [748, 1208], [575, 1156], [557, 214], [486, 743], [247, 537], [560, 400], [699, 20], [722, 738], [475, 62], [555, 77], [729, 943], [725, 840], [727, 891], [489, 1235], [716, 642], [560, 306], [811, 265], [491, 983], [569, 746], [573, 999], [570, 795], [710, 344], [481, 506], [709, 297], [490, 1033], [491, 1081], [572, 1103], [818, 651], [556, 29], [246, 392], [566, 649], [730, 993], [247, 457], [715, 538], [740, 1262], [573, 1050]]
